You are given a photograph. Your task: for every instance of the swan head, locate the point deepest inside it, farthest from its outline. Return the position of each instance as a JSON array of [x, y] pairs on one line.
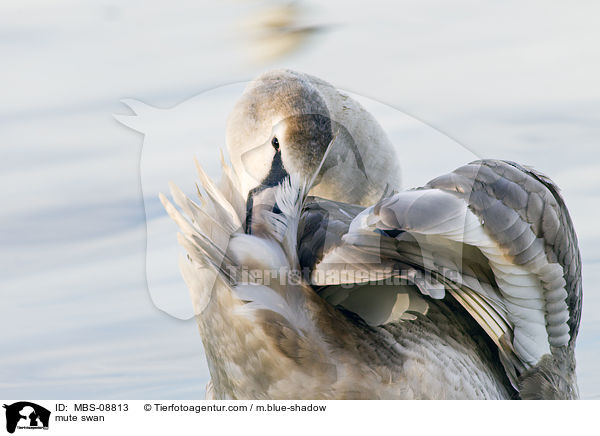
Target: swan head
[[291, 124], [281, 126]]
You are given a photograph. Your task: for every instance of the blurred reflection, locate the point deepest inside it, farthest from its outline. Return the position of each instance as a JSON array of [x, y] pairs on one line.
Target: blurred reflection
[[276, 30]]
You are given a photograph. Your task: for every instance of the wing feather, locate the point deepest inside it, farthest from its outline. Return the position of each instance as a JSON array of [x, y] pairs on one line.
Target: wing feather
[[496, 236]]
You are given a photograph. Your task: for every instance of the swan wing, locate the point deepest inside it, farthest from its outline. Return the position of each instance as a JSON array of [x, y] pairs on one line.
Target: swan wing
[[494, 235]]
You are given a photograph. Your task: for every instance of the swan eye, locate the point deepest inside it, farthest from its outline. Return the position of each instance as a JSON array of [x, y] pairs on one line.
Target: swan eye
[[275, 143]]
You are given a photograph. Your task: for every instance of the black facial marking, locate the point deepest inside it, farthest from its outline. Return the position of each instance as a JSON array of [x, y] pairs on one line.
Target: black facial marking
[[276, 175], [391, 233], [249, 202]]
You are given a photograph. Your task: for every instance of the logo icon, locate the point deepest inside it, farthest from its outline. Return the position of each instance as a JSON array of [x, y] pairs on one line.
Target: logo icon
[[26, 415]]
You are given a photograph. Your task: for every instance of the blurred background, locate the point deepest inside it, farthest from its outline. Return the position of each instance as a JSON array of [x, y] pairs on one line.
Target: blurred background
[[515, 80]]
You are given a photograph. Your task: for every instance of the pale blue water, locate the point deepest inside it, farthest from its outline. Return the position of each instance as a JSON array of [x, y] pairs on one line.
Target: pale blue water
[[505, 80]]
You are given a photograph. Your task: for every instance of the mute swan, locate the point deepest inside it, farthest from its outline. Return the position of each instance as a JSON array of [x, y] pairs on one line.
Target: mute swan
[[468, 287]]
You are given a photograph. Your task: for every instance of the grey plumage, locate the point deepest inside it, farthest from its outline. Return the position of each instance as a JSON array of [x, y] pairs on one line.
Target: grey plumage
[[542, 303], [544, 221], [463, 323], [468, 287]]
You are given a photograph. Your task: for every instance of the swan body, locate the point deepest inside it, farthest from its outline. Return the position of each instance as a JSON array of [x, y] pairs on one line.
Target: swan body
[[468, 287]]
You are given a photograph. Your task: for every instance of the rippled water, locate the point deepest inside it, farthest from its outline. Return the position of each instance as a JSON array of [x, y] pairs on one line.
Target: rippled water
[[506, 80]]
